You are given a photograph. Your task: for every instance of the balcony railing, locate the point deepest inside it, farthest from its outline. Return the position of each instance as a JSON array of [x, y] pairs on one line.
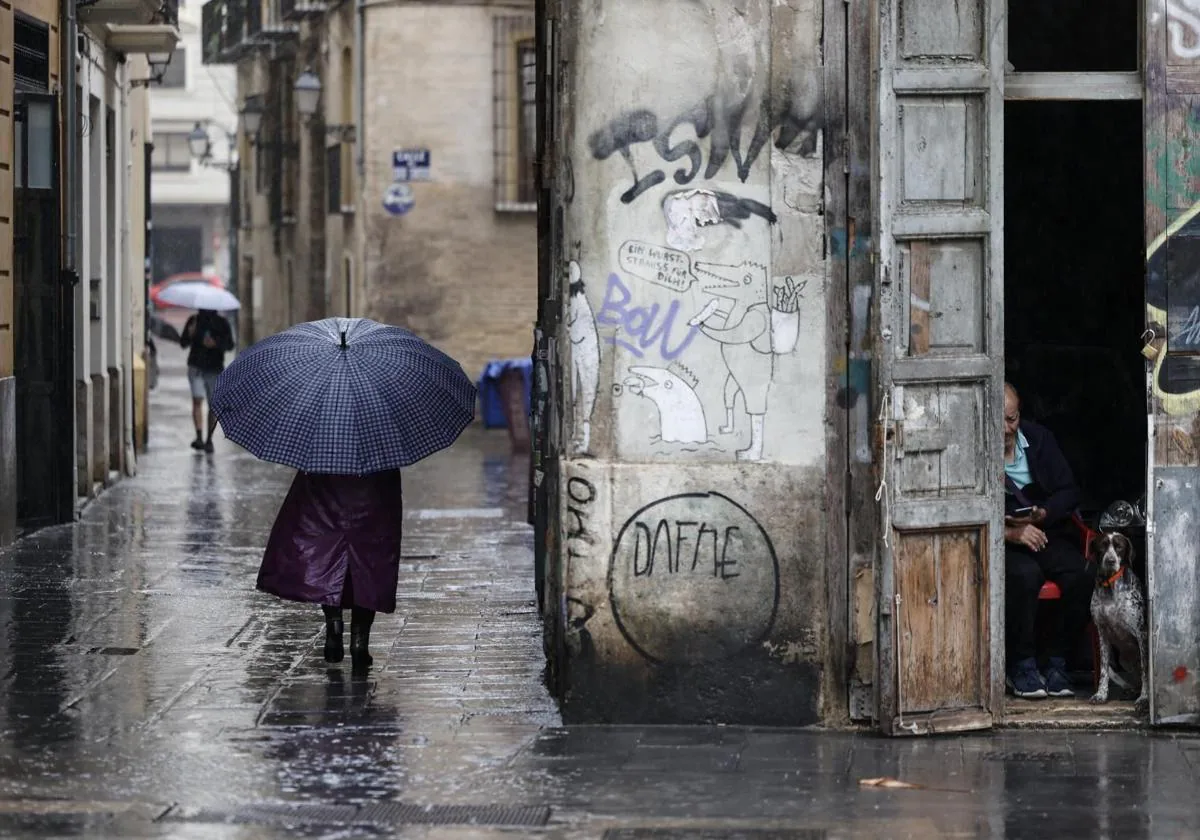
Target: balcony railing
[[265, 23], [130, 12], [232, 28], [295, 10]]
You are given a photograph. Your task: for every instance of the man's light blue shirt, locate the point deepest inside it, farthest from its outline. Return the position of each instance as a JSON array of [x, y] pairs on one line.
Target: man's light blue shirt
[[1018, 470]]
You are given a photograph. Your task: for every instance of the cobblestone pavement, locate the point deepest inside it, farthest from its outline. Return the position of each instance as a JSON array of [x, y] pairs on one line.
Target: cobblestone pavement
[[149, 691]]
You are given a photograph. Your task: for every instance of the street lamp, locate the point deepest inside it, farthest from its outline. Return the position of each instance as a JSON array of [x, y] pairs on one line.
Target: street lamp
[[308, 93], [200, 147], [252, 115], [199, 144], [159, 59]]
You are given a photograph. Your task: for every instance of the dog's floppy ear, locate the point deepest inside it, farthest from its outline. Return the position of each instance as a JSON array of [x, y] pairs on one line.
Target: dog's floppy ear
[[1124, 548], [1093, 547]]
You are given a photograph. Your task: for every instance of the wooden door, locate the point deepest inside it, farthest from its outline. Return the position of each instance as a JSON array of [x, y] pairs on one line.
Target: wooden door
[[940, 351]]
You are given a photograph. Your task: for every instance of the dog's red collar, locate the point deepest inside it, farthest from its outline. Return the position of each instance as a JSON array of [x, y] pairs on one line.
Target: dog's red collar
[[1107, 584]]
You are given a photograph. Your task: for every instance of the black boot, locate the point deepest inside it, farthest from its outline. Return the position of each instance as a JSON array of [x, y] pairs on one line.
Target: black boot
[[335, 651], [360, 638]]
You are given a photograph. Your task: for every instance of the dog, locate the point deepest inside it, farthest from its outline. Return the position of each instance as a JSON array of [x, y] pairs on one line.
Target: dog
[[1119, 613]]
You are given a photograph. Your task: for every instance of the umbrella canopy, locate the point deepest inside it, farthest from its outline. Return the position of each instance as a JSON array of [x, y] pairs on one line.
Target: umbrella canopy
[[343, 396], [194, 294]]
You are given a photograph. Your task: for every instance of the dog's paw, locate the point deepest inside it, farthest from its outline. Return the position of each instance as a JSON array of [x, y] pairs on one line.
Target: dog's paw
[[1141, 705], [1099, 698]]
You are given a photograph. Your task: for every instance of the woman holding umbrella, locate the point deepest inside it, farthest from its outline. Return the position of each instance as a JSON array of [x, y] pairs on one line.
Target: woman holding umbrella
[[347, 402]]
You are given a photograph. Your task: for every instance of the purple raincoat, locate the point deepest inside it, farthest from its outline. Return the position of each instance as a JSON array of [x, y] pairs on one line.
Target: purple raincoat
[[336, 542]]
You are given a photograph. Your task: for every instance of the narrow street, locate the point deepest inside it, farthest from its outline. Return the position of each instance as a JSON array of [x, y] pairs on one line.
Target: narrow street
[[150, 691]]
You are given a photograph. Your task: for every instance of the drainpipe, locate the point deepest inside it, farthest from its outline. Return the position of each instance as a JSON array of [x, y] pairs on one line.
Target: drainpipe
[[360, 73], [70, 169]]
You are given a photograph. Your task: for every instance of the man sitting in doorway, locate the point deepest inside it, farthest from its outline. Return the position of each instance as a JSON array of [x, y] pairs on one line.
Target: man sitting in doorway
[[1041, 543]]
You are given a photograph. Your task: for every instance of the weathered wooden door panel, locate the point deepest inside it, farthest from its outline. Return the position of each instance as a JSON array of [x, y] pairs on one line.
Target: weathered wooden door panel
[[940, 576], [940, 346]]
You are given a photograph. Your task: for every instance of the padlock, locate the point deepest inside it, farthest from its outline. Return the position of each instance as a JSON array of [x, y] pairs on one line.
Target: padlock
[[1148, 348]]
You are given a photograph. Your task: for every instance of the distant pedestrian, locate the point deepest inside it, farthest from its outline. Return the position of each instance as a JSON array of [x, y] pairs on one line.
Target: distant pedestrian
[[210, 337], [336, 542]]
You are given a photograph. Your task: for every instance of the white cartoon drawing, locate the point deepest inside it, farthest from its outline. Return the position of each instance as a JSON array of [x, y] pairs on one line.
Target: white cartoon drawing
[[751, 331], [585, 356], [686, 212], [673, 392]]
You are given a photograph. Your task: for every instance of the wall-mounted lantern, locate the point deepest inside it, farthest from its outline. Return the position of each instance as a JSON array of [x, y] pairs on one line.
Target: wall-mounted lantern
[[308, 93], [158, 68], [252, 115]]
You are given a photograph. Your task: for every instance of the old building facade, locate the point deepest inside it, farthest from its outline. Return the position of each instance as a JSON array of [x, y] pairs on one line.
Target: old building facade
[[406, 194], [71, 263], [190, 199], [790, 254]]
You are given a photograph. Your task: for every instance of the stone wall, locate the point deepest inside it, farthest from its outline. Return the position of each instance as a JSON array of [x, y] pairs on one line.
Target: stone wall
[[690, 554], [454, 269]]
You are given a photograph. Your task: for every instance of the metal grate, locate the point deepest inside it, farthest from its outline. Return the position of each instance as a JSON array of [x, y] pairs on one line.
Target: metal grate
[[716, 834], [514, 98], [372, 814], [114, 651]]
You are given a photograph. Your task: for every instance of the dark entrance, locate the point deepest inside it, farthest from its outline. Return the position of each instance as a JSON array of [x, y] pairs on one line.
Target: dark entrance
[[1074, 285], [43, 328]]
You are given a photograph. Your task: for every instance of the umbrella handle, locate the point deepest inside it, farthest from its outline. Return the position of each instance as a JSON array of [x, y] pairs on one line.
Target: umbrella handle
[[343, 339]]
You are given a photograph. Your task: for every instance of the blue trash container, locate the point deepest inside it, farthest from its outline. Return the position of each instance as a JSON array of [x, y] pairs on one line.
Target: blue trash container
[[491, 400]]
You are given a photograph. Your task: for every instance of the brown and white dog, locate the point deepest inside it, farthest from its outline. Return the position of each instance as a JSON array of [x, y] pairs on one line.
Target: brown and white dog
[[1119, 613]]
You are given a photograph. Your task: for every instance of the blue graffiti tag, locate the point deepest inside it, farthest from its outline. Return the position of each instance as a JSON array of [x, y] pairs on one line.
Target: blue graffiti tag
[[641, 323]]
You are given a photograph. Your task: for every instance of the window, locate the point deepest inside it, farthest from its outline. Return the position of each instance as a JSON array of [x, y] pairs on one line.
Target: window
[[31, 54], [171, 153], [515, 118], [175, 73], [333, 175]]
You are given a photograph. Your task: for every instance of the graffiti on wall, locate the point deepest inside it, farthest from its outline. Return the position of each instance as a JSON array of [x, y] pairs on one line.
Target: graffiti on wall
[[681, 271], [585, 357], [693, 578], [1173, 307], [1183, 28], [748, 107], [673, 392]]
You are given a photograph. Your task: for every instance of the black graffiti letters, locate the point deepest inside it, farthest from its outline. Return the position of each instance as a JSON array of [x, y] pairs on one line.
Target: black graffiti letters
[[693, 578], [677, 546], [581, 493], [715, 119]]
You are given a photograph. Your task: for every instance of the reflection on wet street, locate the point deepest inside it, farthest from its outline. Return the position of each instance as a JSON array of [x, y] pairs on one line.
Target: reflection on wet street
[[150, 691]]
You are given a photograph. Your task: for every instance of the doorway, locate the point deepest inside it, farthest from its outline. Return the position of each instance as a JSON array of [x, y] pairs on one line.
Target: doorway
[[1074, 312]]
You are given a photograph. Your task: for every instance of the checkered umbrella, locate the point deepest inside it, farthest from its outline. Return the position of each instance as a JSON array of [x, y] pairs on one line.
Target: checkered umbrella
[[343, 396]]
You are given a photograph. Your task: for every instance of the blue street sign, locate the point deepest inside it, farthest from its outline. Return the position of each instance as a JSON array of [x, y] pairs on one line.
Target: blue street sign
[[398, 199], [411, 165]]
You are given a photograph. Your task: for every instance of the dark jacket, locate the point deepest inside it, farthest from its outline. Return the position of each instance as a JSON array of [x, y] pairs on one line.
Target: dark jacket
[[336, 541], [207, 359], [1053, 486]]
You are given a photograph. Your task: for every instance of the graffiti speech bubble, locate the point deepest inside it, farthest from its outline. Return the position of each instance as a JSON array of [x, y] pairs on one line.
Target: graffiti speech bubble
[[664, 266]]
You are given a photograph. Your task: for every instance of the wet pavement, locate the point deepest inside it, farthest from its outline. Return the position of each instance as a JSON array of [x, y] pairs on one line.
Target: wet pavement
[[149, 691]]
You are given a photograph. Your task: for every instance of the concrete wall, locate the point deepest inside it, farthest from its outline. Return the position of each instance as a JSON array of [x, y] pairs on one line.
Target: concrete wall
[[690, 557], [453, 269]]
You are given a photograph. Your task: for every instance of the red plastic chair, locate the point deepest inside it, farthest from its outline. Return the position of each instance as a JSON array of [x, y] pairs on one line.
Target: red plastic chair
[[1051, 592]]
